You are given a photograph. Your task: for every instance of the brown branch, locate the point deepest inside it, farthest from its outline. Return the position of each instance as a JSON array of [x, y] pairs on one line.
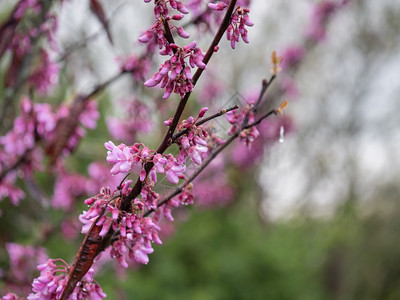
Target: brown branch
[[265, 85]]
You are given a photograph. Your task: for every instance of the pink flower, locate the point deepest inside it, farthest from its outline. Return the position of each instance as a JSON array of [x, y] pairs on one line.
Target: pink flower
[[175, 74], [141, 254], [135, 239], [237, 29], [170, 166], [53, 279], [237, 118], [120, 156]]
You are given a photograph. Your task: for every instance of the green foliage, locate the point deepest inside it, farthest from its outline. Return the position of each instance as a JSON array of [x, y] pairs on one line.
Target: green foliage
[[229, 254]]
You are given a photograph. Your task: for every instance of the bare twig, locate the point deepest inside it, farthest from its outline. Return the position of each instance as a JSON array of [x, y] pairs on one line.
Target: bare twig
[[216, 115]]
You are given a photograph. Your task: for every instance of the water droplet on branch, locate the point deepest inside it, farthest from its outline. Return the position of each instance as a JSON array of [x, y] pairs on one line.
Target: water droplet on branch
[[282, 135]]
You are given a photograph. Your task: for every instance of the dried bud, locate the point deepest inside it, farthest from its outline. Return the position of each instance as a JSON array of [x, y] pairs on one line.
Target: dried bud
[[281, 107], [276, 61]]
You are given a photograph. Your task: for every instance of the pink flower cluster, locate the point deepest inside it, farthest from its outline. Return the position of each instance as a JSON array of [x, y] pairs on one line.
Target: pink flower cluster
[[23, 135], [136, 232], [237, 29], [53, 279], [175, 74], [135, 239], [125, 158], [237, 118], [20, 148], [170, 166], [156, 34], [193, 144], [239, 20], [161, 7]]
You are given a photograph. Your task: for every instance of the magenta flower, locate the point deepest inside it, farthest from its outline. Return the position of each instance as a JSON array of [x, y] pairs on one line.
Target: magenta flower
[[120, 156], [53, 279], [237, 29], [175, 74], [168, 165], [236, 118], [135, 239]]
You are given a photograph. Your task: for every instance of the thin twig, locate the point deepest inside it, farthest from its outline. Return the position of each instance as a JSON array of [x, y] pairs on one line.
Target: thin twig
[[201, 122]]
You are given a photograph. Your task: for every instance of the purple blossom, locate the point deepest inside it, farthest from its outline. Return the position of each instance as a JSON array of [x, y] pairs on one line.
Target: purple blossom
[[135, 239], [175, 74], [237, 29], [120, 156], [53, 279], [170, 166], [237, 118]]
